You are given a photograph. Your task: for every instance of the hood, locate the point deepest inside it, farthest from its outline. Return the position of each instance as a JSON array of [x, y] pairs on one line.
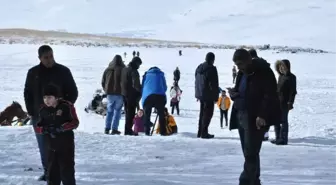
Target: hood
[[135, 63], [202, 68], [287, 64], [277, 66], [155, 70], [117, 61]]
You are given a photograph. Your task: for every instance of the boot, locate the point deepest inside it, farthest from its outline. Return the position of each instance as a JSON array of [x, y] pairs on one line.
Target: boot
[[207, 136], [107, 131], [115, 132], [198, 133], [42, 178]]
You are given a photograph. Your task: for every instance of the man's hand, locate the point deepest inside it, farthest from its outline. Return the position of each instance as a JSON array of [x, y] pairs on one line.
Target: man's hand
[[290, 106], [260, 122]]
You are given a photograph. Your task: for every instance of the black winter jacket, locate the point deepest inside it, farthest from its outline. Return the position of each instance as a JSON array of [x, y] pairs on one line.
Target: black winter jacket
[[206, 82], [39, 76], [287, 87]]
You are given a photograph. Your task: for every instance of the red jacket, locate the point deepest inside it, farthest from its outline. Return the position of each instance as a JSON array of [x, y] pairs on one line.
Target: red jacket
[[63, 116]]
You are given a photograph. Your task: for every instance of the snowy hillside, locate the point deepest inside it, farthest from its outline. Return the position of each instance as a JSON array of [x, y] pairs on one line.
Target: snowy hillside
[[304, 23]]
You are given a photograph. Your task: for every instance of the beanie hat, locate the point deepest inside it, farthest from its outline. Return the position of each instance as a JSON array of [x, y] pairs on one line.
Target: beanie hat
[[210, 57], [241, 55], [51, 90]]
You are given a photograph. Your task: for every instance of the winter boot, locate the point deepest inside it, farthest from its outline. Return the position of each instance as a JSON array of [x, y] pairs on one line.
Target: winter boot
[[207, 136], [115, 132], [42, 178], [107, 131]]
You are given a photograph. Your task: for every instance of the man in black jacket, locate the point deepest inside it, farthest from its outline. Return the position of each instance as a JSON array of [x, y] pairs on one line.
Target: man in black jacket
[[254, 55], [256, 107], [177, 75], [131, 91], [39, 76], [206, 91], [287, 92]]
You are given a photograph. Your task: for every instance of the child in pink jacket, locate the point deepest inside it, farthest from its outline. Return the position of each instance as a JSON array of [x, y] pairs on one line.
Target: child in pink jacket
[[138, 122]]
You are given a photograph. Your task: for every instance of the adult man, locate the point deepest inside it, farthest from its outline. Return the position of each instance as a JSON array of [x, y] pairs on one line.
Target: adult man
[[39, 76], [131, 91], [206, 91], [254, 55], [112, 87], [154, 89], [255, 108]]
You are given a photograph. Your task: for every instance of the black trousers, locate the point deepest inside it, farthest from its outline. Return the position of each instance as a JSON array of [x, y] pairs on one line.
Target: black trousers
[[205, 116], [251, 140], [158, 102], [223, 113], [130, 106], [61, 159], [281, 131], [175, 105]]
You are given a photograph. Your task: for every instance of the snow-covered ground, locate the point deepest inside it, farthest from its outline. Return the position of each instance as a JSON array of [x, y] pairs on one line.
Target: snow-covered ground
[[183, 159]]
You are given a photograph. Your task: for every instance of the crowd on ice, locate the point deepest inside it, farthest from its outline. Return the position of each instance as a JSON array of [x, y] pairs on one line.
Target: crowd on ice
[[259, 101]]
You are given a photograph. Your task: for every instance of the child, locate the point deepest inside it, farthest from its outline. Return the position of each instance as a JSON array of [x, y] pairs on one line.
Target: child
[[223, 105], [138, 122], [171, 124], [58, 118], [175, 94]]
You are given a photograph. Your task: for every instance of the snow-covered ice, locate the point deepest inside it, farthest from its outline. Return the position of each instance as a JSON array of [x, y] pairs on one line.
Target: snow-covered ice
[[183, 159]]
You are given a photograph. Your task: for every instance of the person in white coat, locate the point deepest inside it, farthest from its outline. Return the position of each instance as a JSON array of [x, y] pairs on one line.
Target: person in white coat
[[175, 95]]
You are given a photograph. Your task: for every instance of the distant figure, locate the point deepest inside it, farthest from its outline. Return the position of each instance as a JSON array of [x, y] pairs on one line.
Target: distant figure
[[134, 53], [175, 95], [234, 74], [180, 52], [138, 54], [177, 75], [125, 54], [224, 103]]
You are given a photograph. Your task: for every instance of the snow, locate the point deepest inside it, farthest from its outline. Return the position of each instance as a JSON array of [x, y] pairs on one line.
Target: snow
[[302, 23], [309, 159]]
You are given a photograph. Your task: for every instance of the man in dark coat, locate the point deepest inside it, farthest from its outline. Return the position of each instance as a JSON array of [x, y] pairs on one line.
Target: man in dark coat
[[256, 107], [131, 90], [112, 87], [287, 92], [39, 76], [177, 75], [206, 91]]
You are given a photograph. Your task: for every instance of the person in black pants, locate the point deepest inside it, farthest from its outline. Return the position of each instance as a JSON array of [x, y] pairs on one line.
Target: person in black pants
[[206, 91], [131, 91], [286, 92], [223, 105], [154, 89], [57, 121], [175, 94]]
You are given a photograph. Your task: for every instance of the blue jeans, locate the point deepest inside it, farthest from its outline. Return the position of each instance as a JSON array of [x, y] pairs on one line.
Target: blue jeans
[[41, 142], [114, 105]]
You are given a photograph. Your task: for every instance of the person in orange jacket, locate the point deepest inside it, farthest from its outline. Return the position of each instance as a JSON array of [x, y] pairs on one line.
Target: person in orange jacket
[[223, 103], [171, 126]]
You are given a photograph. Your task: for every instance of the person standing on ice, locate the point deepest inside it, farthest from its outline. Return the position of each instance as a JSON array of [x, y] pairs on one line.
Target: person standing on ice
[[223, 103], [177, 75], [256, 107], [131, 91], [46, 72], [134, 53], [112, 87], [287, 92], [175, 95], [154, 89], [206, 91], [234, 74], [58, 119]]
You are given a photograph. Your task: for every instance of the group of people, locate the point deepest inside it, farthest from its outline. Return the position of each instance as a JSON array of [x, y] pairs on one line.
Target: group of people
[[258, 102]]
